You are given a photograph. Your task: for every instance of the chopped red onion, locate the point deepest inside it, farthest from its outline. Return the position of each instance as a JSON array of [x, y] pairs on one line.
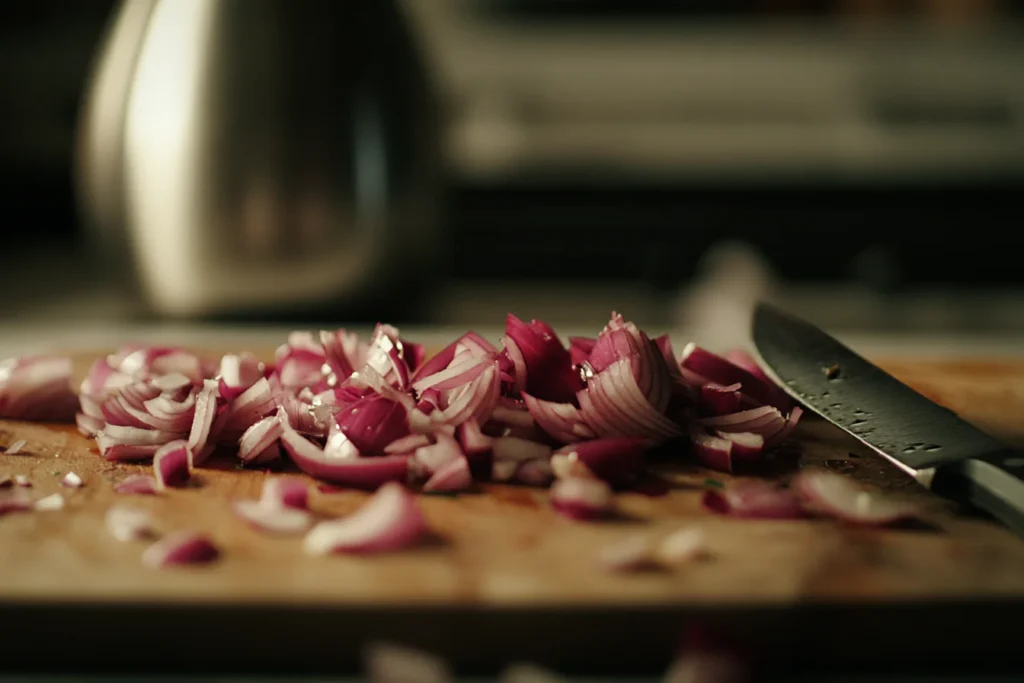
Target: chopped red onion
[[407, 444], [616, 460], [389, 521], [340, 462], [549, 370], [138, 483], [504, 470], [16, 448], [754, 499], [202, 422], [583, 499], [6, 482], [716, 369], [344, 352], [237, 373], [834, 495], [742, 359], [765, 420], [15, 500], [374, 422], [290, 492], [274, 519], [681, 546], [72, 481], [22, 480], [745, 445], [713, 451], [535, 472], [129, 524], [718, 400], [255, 441], [561, 421], [433, 458], [580, 349], [567, 466], [180, 548], [172, 464], [630, 554], [37, 388], [50, 503], [512, 449], [451, 477], [614, 405]]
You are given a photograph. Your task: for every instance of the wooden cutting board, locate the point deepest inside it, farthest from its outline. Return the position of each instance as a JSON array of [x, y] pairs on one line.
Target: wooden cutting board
[[506, 577]]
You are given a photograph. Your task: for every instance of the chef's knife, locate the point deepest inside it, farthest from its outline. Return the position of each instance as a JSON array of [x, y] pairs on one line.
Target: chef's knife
[[924, 439]]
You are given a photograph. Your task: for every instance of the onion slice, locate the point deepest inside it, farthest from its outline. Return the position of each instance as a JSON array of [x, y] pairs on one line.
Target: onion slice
[[180, 548], [16, 448], [753, 499], [745, 445], [172, 464], [453, 476], [837, 496], [389, 521], [583, 499], [274, 519], [258, 438], [289, 492], [129, 524], [616, 460], [22, 480], [713, 451], [138, 483]]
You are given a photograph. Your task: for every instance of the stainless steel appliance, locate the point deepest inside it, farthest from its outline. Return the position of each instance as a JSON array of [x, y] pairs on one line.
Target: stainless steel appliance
[[260, 154]]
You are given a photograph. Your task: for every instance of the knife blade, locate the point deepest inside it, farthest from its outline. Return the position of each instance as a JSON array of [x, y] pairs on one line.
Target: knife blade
[[927, 441]]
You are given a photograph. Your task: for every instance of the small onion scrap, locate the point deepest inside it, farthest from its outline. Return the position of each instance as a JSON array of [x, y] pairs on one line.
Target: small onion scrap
[[274, 519], [389, 521], [833, 495], [16, 448], [138, 483], [754, 499], [289, 492], [72, 481], [50, 503], [15, 500], [172, 464], [180, 548], [129, 524], [583, 499]]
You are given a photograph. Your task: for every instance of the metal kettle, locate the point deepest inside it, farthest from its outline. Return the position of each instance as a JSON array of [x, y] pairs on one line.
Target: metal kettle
[[260, 155]]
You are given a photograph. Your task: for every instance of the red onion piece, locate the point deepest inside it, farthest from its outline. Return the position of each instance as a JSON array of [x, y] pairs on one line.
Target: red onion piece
[[172, 464], [746, 446], [681, 546], [124, 452], [87, 425], [513, 416], [237, 373], [566, 467], [389, 521], [613, 405], [129, 524], [72, 481], [504, 470], [742, 359], [16, 447], [50, 503], [834, 495], [407, 444], [477, 448], [6, 482], [787, 429], [616, 460], [274, 519], [549, 370], [517, 364], [580, 349], [374, 422], [14, 500], [583, 499], [561, 421], [252, 404], [713, 451], [344, 353], [180, 548], [451, 477], [138, 483], [172, 383], [753, 499], [512, 449], [290, 492], [765, 420], [535, 472], [477, 399], [385, 356], [258, 438], [300, 361], [341, 464], [22, 480], [630, 554], [433, 458], [37, 388], [716, 369], [718, 400]]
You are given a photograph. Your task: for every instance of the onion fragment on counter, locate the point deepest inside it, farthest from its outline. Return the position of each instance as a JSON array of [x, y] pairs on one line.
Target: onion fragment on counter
[[388, 521], [833, 495], [50, 503], [754, 499], [138, 483], [129, 524], [37, 388], [681, 546], [72, 481], [14, 500], [16, 448], [583, 499], [22, 480], [172, 464], [451, 477], [180, 548], [289, 492], [630, 554], [275, 519]]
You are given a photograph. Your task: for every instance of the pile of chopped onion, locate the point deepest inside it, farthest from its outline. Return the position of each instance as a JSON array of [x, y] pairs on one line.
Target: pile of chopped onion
[[360, 413]]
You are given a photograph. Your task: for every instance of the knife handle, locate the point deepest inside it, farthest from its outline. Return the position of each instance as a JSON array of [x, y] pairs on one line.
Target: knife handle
[[993, 485]]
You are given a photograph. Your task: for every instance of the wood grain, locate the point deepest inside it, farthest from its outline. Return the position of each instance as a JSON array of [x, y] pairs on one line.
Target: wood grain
[[504, 549]]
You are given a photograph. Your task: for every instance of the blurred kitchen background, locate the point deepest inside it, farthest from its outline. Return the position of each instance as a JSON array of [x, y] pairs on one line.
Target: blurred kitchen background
[[859, 161]]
